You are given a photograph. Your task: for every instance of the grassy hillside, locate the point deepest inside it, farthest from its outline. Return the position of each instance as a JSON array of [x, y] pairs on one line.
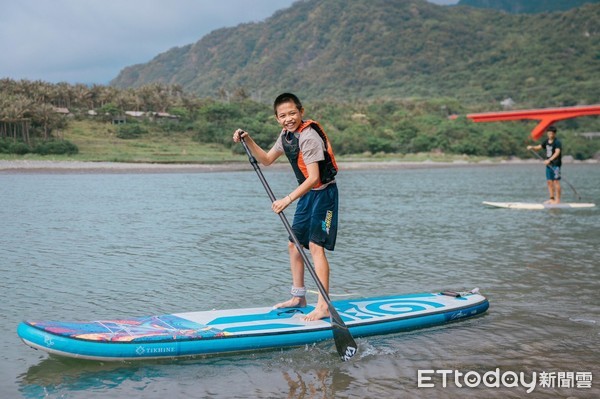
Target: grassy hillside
[[527, 6], [99, 145], [339, 50], [367, 131], [98, 141]]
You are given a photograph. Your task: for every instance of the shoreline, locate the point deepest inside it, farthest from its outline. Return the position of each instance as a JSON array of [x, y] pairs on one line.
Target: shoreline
[[40, 166]]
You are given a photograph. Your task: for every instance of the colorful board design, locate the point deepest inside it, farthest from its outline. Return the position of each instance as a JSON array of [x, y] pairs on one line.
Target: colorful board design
[[235, 330], [534, 205]]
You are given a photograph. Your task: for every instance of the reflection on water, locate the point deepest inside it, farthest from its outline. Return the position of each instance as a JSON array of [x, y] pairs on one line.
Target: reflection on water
[[98, 246]]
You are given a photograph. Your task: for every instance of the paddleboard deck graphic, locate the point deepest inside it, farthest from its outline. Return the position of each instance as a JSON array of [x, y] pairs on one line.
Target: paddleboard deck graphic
[[237, 330], [535, 205]]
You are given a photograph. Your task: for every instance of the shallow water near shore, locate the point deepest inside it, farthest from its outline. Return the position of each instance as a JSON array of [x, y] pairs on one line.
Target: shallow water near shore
[[95, 245]]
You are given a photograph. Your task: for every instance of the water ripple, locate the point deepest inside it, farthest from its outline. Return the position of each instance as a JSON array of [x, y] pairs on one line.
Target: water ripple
[[100, 246]]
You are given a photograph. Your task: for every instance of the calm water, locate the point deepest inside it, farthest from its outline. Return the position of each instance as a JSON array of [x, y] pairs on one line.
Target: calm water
[[90, 246]]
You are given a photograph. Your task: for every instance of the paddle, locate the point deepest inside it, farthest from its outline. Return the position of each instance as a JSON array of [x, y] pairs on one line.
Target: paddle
[[562, 178], [344, 342]]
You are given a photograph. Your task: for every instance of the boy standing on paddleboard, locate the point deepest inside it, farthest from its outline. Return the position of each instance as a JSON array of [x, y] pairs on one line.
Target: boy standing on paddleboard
[[315, 222], [553, 163]]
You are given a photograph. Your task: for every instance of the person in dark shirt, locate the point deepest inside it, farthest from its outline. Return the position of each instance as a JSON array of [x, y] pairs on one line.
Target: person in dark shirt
[[553, 163]]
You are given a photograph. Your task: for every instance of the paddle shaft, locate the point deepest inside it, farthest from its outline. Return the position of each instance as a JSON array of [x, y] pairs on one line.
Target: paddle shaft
[[345, 344], [565, 180]]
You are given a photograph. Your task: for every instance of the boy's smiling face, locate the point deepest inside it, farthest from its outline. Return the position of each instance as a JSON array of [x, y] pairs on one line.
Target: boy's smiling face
[[289, 116]]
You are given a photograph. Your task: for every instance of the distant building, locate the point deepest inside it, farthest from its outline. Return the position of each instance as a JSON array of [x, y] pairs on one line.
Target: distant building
[[165, 115], [63, 111], [591, 135], [119, 120], [507, 103], [135, 114]]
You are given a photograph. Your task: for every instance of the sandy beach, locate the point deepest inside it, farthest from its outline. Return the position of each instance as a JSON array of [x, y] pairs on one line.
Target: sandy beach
[[37, 166], [30, 166]]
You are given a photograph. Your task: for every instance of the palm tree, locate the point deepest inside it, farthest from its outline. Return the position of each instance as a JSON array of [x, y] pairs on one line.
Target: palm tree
[[46, 116], [13, 110], [83, 96]]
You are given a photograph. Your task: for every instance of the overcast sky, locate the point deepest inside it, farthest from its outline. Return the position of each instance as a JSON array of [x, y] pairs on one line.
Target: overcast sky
[[91, 41]]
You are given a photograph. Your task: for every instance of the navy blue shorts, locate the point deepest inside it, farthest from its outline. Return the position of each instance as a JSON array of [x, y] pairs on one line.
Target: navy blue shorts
[[552, 172], [316, 217]]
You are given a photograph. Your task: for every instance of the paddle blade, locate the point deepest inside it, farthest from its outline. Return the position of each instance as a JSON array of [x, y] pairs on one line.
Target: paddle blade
[[344, 342]]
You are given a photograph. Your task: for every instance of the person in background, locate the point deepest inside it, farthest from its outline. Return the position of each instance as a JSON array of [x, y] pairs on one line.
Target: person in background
[[315, 221], [553, 163]]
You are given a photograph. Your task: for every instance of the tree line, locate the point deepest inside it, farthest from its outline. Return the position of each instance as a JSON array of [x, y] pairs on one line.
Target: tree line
[[31, 121]]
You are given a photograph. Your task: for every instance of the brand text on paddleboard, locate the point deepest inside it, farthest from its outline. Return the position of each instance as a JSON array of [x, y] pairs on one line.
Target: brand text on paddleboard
[[507, 379]]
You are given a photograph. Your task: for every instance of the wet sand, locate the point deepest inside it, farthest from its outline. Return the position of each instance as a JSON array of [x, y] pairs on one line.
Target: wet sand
[[30, 166]]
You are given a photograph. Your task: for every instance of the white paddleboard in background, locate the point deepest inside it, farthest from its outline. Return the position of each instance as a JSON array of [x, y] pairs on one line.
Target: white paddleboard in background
[[536, 205]]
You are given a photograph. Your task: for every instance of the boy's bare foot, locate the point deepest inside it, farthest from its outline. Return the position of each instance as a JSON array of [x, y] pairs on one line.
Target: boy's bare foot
[[294, 302], [319, 313]]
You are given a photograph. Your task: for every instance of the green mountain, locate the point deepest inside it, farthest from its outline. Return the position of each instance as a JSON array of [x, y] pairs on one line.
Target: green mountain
[[346, 50], [526, 6]]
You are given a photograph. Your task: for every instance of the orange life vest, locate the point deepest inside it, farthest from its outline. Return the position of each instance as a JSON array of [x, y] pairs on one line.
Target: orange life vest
[[327, 167]]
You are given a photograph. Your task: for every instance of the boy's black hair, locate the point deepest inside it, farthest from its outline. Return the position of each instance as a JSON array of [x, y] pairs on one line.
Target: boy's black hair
[[284, 98], [551, 129]]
